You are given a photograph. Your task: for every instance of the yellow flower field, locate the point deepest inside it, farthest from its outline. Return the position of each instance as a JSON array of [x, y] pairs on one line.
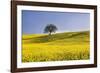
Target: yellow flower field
[[57, 47]]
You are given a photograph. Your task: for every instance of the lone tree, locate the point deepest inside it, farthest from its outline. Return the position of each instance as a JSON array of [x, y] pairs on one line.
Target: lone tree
[[50, 28]]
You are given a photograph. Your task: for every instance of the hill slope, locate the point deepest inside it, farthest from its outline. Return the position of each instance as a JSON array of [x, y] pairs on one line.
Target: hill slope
[[57, 47], [68, 36]]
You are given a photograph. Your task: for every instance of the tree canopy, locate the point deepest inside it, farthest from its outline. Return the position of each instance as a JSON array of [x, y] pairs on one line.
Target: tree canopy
[[50, 28]]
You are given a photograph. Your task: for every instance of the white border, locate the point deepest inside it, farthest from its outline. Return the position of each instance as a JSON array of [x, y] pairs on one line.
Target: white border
[[56, 63]]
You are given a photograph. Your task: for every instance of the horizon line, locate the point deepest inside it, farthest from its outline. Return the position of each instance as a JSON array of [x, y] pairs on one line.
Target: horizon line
[[55, 32]]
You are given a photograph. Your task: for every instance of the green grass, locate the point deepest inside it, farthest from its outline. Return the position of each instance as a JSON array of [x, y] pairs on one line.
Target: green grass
[[57, 47]]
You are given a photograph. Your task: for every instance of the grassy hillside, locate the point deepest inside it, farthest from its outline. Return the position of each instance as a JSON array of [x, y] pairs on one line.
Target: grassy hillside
[[59, 46]]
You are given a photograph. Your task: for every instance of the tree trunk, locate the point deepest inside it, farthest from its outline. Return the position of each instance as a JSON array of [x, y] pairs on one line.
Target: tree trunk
[[50, 33]]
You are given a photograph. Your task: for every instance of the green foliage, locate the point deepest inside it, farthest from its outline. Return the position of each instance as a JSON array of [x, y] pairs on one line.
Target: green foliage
[[50, 28]]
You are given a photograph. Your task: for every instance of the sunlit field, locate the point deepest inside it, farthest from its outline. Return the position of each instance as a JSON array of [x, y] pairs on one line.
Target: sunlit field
[[56, 47]]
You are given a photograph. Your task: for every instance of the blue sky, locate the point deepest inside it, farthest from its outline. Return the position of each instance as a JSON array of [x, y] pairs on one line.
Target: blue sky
[[34, 22]]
